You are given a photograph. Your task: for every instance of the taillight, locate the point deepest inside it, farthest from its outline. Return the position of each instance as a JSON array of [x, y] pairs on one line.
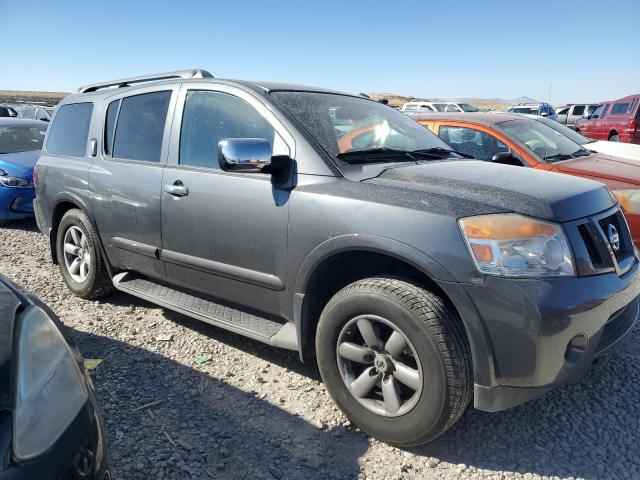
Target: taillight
[[34, 177]]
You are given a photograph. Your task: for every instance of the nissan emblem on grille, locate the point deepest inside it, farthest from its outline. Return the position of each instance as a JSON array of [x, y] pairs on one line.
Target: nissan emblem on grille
[[614, 238]]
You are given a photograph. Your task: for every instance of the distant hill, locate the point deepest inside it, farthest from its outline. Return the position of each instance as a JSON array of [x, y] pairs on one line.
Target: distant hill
[[396, 100], [26, 96]]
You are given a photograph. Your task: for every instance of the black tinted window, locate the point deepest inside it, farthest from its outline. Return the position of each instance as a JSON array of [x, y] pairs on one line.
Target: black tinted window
[[578, 110], [212, 116], [110, 125], [619, 109], [140, 126], [69, 131]]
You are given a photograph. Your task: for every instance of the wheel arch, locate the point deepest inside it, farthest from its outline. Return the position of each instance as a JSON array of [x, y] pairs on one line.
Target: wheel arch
[[613, 133], [64, 203], [344, 260]]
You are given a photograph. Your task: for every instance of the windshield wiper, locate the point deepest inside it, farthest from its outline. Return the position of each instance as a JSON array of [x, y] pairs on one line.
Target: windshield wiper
[[374, 155], [583, 152], [444, 152], [557, 157]]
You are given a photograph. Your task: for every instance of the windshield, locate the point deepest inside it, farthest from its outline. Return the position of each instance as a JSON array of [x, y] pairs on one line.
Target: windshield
[[566, 131], [341, 124], [468, 108], [543, 141], [21, 138], [527, 110]]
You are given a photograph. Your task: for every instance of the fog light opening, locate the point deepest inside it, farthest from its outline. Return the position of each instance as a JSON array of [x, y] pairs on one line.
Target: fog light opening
[[576, 348]]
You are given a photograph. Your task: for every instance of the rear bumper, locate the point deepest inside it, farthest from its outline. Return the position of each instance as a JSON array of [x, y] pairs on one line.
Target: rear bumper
[[529, 336]]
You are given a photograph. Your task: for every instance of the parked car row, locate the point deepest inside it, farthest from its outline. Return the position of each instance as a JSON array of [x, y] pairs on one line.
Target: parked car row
[[415, 108], [419, 271]]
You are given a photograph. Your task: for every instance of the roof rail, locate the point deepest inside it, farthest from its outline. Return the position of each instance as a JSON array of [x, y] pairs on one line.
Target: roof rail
[[125, 82]]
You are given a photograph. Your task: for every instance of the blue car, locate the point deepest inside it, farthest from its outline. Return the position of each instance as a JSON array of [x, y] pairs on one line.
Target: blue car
[[20, 147]]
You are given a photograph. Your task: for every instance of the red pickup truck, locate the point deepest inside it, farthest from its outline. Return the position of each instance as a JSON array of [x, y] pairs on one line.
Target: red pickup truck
[[616, 121]]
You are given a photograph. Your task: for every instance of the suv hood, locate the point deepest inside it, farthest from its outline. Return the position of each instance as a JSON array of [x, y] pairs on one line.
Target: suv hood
[[603, 166], [476, 187]]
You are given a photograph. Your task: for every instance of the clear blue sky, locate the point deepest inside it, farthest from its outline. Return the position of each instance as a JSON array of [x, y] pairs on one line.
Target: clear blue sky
[[588, 50]]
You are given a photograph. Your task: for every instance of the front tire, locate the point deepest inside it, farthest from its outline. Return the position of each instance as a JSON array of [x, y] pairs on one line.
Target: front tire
[[614, 138], [79, 257], [395, 359]]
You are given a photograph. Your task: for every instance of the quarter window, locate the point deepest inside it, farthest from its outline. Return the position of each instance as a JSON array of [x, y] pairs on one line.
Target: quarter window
[[68, 134], [140, 126], [213, 116]]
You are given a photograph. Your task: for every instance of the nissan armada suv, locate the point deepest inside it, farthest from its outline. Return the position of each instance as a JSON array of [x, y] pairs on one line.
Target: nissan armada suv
[[417, 278]]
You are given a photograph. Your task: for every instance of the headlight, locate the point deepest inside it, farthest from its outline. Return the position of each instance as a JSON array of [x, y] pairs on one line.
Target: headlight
[[9, 181], [629, 198], [512, 245], [50, 388]]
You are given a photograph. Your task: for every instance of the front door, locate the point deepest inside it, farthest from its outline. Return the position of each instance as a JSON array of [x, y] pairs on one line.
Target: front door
[[223, 233]]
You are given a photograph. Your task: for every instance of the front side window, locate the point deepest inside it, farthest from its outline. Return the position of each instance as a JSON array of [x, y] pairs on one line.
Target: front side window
[[451, 108], [578, 110], [591, 109], [213, 116], [70, 129], [563, 111], [473, 142], [597, 112], [605, 108], [356, 125], [21, 138], [411, 107], [547, 144], [140, 126]]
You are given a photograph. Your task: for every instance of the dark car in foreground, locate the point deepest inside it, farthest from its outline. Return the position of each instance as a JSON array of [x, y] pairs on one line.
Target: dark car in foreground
[[20, 145], [336, 226], [50, 426]]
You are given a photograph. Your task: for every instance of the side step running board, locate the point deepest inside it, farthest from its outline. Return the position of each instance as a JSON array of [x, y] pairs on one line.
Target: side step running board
[[268, 331]]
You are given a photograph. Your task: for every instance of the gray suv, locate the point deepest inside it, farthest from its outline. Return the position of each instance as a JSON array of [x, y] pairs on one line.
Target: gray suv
[[338, 227]]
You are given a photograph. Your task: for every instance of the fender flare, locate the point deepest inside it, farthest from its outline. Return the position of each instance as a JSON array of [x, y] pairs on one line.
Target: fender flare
[[418, 259], [86, 208]]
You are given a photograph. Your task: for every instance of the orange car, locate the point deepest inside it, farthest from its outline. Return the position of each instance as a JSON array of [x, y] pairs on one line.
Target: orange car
[[520, 140]]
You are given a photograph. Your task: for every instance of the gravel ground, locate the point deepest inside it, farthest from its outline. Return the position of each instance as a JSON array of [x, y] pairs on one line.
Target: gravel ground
[[256, 412]]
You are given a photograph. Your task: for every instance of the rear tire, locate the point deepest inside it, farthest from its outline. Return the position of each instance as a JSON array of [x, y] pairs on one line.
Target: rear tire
[[79, 257], [434, 346]]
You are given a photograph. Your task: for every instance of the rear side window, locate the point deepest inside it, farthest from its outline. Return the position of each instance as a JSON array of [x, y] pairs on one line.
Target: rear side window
[[578, 110], [619, 108], [139, 126], [69, 131], [212, 116]]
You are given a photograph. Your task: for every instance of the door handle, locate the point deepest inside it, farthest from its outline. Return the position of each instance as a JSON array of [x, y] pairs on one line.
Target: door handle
[[177, 189]]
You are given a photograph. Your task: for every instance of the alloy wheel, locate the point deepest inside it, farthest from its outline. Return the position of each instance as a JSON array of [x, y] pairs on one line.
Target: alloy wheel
[[379, 365], [77, 254]]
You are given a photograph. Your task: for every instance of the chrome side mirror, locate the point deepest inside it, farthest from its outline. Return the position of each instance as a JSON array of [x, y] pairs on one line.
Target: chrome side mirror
[[244, 154]]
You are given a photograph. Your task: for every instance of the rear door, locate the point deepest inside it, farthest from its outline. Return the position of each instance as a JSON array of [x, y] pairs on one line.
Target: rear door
[[226, 234], [127, 176]]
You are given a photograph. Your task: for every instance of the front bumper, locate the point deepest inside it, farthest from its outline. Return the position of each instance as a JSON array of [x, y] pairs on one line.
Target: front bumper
[[79, 454], [16, 203], [521, 330]]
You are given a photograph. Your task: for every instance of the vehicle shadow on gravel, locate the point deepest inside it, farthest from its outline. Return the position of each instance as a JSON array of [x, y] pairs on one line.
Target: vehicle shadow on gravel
[[590, 429], [202, 427], [28, 225]]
